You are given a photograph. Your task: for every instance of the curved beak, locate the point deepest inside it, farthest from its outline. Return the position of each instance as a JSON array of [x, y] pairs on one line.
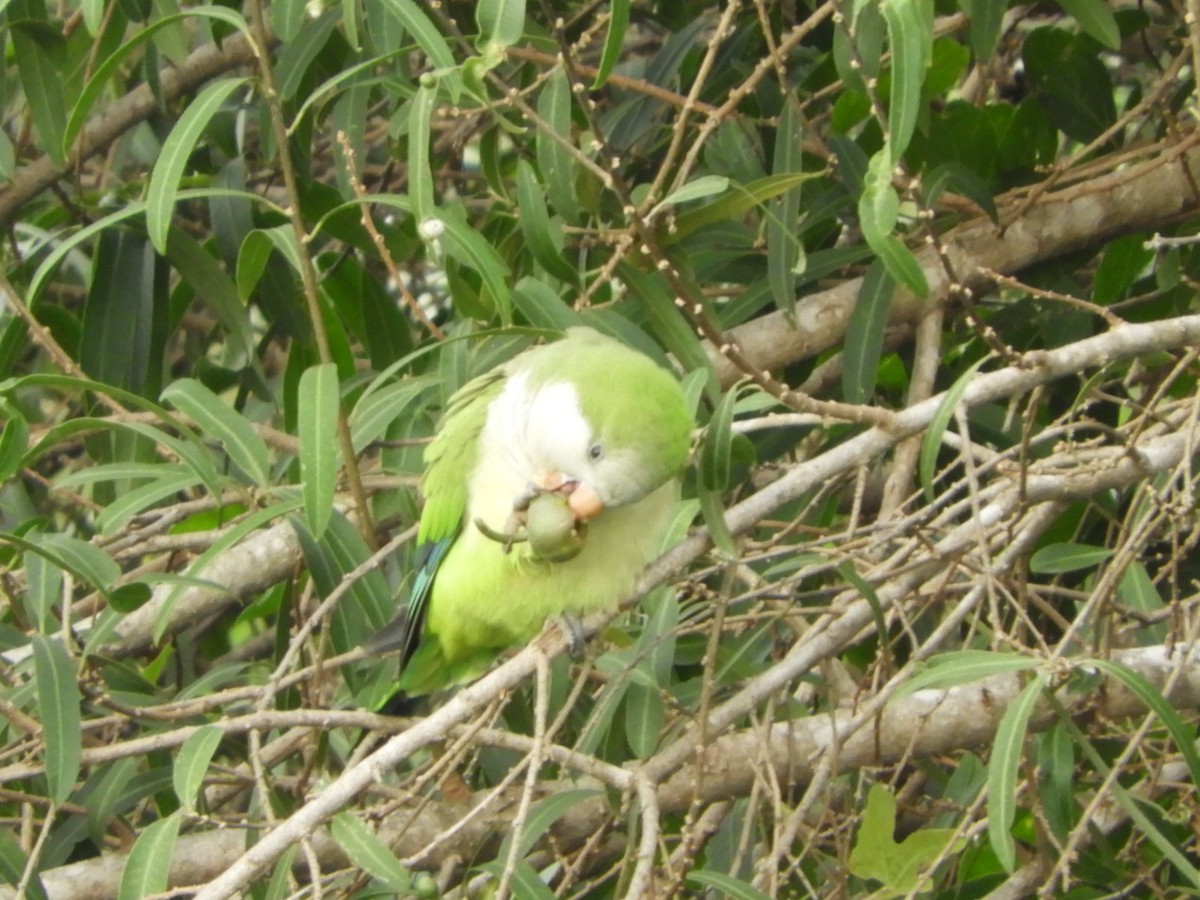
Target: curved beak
[[582, 500]]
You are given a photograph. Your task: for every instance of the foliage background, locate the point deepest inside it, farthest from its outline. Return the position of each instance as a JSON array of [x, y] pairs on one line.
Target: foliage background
[[927, 269]]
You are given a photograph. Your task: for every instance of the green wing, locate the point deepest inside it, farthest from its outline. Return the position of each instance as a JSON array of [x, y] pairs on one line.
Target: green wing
[[449, 461], [451, 457]]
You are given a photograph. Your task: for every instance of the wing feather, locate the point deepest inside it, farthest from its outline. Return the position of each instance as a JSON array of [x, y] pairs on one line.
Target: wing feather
[[449, 460]]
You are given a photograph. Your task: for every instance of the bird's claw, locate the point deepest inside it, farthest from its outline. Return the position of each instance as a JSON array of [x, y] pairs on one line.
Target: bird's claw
[[544, 519], [572, 630], [512, 535]]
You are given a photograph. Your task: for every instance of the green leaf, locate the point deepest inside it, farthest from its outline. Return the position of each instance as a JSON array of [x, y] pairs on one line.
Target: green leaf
[[931, 443], [420, 175], [192, 764], [149, 863], [645, 712], [1003, 767], [1096, 18], [42, 83], [877, 855], [84, 560], [298, 54], [543, 815], [738, 200], [1125, 259], [543, 307], [879, 206], [14, 441], [902, 265], [957, 667], [13, 863], [665, 319], [716, 450], [58, 701], [704, 186], [43, 589], [554, 160], [424, 32], [725, 885], [114, 62], [1137, 591], [910, 33], [713, 510], [614, 41], [785, 251], [524, 880], [204, 274], [317, 426], [1055, 559], [987, 18], [164, 180], [864, 334], [123, 328], [375, 411], [215, 419], [465, 244], [367, 852], [1181, 733], [501, 22], [169, 481], [957, 177], [537, 228]]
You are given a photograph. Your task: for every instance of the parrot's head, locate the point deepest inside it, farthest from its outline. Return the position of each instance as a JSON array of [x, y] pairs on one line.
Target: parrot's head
[[606, 425]]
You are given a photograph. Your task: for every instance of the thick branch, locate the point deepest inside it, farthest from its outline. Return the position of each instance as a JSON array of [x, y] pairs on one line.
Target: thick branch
[[138, 105], [1142, 197]]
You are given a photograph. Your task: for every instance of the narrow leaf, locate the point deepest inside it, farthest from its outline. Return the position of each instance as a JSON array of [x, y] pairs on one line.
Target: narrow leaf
[[420, 175], [192, 764], [785, 251], [864, 334], [317, 426], [1096, 18], [715, 452], [366, 851], [1182, 734], [704, 186], [644, 716], [215, 419], [1003, 768], [14, 441], [910, 30], [537, 227], [42, 82], [713, 511], [164, 180], [553, 159], [960, 667], [1067, 557], [149, 863], [501, 22], [614, 41], [902, 265], [424, 32], [725, 885], [931, 443], [58, 701]]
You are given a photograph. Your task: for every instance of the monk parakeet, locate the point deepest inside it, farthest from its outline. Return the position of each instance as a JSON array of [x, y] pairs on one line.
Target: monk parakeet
[[550, 483]]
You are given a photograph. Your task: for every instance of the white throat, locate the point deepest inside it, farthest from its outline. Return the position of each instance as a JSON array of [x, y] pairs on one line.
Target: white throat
[[525, 432]]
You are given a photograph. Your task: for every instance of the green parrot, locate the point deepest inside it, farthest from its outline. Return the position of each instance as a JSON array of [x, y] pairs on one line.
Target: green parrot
[[550, 483]]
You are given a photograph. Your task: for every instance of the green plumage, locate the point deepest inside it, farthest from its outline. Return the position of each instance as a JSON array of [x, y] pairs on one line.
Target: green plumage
[[585, 409]]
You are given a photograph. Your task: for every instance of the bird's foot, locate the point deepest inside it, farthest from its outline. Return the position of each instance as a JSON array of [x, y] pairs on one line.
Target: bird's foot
[[572, 630], [513, 534]]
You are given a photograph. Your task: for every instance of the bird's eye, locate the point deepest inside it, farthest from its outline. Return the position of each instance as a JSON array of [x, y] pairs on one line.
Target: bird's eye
[[595, 451]]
